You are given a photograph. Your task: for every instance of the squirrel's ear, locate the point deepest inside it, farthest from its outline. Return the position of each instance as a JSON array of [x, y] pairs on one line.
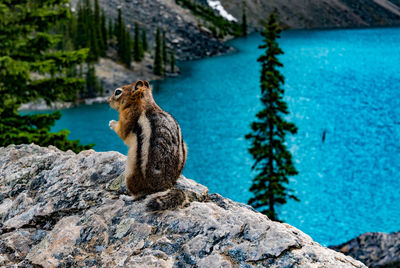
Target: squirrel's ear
[[138, 84], [146, 83]]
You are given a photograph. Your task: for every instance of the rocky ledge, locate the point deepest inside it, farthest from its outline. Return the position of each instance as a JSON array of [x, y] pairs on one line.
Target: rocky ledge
[[374, 249], [61, 209]]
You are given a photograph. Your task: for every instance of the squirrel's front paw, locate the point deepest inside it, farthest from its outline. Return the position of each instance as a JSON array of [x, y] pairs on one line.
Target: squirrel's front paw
[[112, 124]]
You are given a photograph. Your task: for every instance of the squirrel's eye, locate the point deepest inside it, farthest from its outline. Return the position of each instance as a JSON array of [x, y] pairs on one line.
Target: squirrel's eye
[[118, 92]]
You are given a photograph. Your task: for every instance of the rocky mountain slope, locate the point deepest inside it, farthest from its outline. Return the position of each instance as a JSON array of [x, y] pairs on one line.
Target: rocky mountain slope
[[184, 31], [300, 14], [374, 249], [190, 35], [72, 210]]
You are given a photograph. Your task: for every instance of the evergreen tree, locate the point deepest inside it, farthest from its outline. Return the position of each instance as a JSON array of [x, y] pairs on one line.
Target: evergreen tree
[[121, 42], [27, 47], [91, 82], [95, 50], [91, 30], [66, 32], [101, 88], [145, 45], [172, 61], [80, 74], [72, 29], [98, 34], [273, 161], [157, 66], [72, 72], [138, 51], [110, 29], [81, 38], [119, 26], [164, 52], [104, 31], [244, 20], [127, 55], [124, 41], [132, 40], [93, 87]]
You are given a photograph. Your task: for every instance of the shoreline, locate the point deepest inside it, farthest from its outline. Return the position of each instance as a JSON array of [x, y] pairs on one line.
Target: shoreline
[[112, 74], [40, 105]]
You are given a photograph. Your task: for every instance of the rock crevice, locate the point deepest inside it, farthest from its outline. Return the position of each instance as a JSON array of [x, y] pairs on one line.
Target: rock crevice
[[64, 209]]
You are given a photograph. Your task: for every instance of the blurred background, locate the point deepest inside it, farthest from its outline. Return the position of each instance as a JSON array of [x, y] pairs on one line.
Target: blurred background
[[342, 87]]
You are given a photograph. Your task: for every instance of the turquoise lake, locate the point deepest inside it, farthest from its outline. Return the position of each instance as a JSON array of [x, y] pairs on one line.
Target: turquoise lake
[[344, 83]]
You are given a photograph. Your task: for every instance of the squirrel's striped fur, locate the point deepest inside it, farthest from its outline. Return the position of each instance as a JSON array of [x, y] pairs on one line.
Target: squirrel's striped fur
[[157, 152]]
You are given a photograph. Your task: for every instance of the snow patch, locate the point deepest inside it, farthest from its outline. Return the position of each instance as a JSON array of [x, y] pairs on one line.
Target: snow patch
[[216, 5]]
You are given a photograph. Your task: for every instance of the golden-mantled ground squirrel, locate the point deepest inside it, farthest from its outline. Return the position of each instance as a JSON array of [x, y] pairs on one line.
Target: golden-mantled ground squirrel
[[157, 152]]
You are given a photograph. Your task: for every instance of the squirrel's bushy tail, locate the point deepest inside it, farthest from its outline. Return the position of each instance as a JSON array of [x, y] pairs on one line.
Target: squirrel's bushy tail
[[172, 199]]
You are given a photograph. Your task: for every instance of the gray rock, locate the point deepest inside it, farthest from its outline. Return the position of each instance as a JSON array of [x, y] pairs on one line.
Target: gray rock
[[374, 249], [318, 14], [65, 209]]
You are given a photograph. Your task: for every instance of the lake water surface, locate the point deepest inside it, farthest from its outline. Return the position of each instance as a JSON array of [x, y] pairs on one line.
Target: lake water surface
[[344, 83]]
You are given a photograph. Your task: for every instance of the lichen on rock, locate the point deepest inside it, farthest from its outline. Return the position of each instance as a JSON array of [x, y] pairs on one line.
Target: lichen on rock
[[64, 209]]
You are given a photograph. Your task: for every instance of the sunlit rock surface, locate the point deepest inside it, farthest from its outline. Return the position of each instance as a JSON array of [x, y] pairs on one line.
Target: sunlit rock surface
[[65, 209]]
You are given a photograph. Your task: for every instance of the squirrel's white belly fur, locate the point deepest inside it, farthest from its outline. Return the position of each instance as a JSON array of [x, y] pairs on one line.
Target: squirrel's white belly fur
[[131, 142], [146, 134]]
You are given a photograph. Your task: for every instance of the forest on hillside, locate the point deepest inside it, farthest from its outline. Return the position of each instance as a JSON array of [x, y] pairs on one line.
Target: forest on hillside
[[88, 26], [49, 50]]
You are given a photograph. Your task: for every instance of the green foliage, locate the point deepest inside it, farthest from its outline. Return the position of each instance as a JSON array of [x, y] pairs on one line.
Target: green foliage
[[66, 32], [81, 36], [84, 29], [94, 46], [90, 29], [157, 66], [87, 31], [98, 34], [273, 161], [104, 32], [172, 61], [145, 45], [244, 20], [208, 14], [138, 49], [164, 51], [119, 25], [93, 88], [127, 56], [35, 129], [110, 30], [27, 46], [124, 41]]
